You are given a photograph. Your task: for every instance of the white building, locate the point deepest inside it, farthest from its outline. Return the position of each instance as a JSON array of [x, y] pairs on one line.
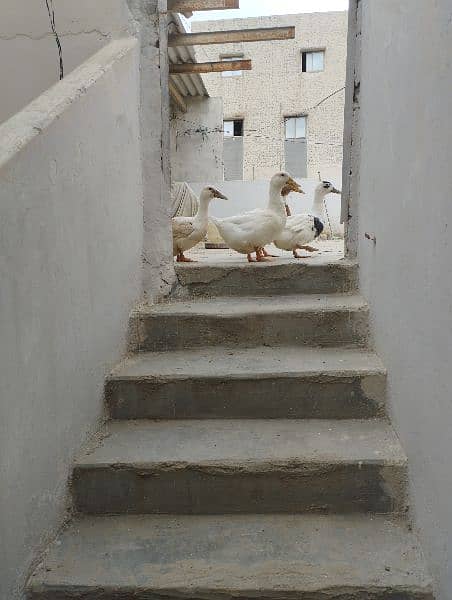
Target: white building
[[287, 112]]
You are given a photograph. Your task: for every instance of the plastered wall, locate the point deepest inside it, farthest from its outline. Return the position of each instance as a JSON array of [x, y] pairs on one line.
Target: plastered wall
[[197, 141], [28, 53], [71, 237], [405, 185]]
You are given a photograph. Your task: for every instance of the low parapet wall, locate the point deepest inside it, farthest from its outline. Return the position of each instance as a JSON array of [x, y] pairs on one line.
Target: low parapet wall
[[71, 235]]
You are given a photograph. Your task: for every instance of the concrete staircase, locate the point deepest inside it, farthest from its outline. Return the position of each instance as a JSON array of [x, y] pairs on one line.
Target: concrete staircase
[[248, 454]]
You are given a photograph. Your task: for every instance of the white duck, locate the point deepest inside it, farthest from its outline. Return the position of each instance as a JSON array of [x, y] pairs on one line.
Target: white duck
[[302, 229], [318, 208], [250, 231], [189, 231]]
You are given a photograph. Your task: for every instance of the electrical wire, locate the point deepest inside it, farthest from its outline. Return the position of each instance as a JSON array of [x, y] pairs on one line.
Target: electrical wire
[[51, 13]]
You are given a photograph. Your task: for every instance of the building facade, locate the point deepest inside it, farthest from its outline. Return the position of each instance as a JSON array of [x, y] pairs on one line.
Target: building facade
[[287, 112]]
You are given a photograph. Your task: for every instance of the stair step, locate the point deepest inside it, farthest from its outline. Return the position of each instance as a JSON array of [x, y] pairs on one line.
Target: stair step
[[272, 557], [289, 382], [230, 466], [322, 320], [318, 276]]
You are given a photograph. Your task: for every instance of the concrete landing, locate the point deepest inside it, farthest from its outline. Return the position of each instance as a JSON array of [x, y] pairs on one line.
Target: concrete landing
[[320, 320], [238, 278], [233, 557], [229, 466], [288, 382]]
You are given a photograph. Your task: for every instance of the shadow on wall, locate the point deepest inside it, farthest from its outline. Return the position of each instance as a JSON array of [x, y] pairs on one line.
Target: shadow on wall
[[247, 195]]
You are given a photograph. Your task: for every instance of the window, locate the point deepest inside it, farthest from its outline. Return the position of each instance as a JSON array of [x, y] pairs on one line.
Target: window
[[233, 128], [229, 58], [295, 128], [313, 62]]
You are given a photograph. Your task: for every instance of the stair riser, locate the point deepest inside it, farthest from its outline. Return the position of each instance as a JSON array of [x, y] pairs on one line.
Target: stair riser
[[177, 332], [196, 282], [135, 594], [216, 490], [318, 397]]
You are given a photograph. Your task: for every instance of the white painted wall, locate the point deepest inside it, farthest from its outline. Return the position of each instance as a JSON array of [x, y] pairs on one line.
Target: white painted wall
[[197, 141], [248, 195], [405, 188], [71, 234], [28, 53]]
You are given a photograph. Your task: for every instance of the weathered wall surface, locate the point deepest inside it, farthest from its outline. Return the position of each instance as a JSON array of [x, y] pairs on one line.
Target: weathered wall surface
[[28, 54], [151, 22], [276, 88], [405, 199], [71, 233], [197, 141]]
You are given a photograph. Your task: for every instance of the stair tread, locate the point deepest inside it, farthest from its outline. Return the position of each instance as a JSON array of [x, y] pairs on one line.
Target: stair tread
[[223, 556], [284, 264], [245, 444], [249, 363], [222, 307]]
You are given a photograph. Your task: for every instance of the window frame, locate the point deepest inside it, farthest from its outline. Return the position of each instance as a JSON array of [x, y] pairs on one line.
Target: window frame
[[295, 118], [307, 51]]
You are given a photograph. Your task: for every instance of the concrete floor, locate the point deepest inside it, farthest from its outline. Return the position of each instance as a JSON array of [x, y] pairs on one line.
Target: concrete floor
[[328, 250]]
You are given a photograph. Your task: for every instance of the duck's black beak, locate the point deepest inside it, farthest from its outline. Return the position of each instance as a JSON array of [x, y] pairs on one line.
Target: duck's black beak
[[218, 194], [318, 226]]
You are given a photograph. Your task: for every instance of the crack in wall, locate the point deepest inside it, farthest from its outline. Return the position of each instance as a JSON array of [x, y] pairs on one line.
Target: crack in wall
[[66, 34]]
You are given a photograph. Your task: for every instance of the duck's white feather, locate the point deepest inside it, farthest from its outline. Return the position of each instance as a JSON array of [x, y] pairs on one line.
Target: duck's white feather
[[254, 229], [187, 232], [299, 231]]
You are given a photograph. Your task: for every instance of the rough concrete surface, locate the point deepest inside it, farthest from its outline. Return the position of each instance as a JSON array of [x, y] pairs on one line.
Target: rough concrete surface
[[323, 320], [238, 278], [225, 557], [195, 155], [262, 382], [221, 466]]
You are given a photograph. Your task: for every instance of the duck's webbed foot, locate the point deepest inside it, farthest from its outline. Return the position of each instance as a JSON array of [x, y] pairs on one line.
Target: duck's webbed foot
[[309, 248], [266, 254], [182, 258], [260, 257]]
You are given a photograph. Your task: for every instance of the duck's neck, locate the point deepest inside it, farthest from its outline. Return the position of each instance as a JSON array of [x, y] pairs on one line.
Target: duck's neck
[[318, 206], [275, 201], [202, 216]]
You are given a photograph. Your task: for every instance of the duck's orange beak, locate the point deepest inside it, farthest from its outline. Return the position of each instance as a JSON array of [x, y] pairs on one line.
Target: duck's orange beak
[[291, 186]]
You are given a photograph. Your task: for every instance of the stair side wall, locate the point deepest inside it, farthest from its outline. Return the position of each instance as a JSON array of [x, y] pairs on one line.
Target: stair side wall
[[405, 184], [71, 235]]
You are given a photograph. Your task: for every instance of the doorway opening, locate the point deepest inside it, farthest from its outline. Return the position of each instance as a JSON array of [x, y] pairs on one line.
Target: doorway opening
[[259, 100]]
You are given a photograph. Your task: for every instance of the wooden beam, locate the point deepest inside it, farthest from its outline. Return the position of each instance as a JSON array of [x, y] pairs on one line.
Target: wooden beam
[[228, 37], [211, 67], [187, 6], [177, 97]]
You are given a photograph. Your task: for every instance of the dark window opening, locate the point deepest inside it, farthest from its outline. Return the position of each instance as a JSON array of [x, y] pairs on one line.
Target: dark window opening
[[313, 61], [233, 128]]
